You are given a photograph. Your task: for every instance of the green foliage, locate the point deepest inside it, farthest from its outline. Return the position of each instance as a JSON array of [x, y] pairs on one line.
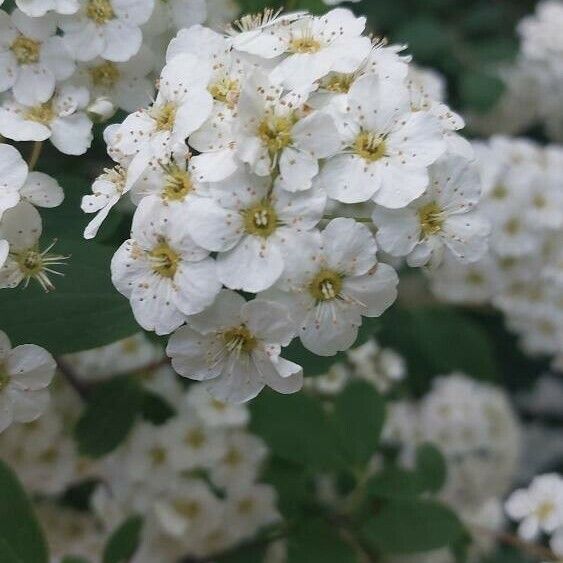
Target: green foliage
[[84, 312], [404, 526], [155, 408], [437, 341], [296, 429], [21, 538], [359, 414], [428, 476], [73, 559], [124, 541], [109, 416], [316, 540], [480, 90]]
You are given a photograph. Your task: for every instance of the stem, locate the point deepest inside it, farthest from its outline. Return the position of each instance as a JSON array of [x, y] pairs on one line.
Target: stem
[[532, 549], [35, 154]]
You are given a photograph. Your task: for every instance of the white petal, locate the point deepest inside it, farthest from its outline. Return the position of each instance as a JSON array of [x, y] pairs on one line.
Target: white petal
[[122, 40], [224, 313], [42, 190], [30, 367], [73, 134], [197, 286], [269, 321], [398, 230]]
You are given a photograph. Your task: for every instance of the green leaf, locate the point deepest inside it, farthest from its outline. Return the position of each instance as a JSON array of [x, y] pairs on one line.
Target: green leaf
[[109, 416], [85, 310], [437, 341], [123, 543], [480, 90], [315, 540], [395, 483], [7, 555], [412, 526], [291, 483], [426, 37], [155, 408], [296, 429], [74, 559], [431, 468], [21, 538], [358, 417], [244, 554]]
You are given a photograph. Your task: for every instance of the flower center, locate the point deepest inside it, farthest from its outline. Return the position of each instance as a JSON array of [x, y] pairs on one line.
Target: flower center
[[276, 132], [499, 192], [305, 44], [4, 377], [246, 506], [189, 509], [104, 75], [239, 339], [539, 201], [544, 510], [226, 91], [233, 457], [195, 438], [164, 116], [177, 183], [26, 50], [260, 220], [339, 83], [369, 146], [158, 455], [475, 278], [43, 113], [100, 11], [33, 263], [165, 260], [326, 285], [430, 217], [512, 226]]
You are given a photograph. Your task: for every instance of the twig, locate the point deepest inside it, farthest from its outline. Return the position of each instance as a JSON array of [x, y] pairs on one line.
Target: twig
[[532, 549]]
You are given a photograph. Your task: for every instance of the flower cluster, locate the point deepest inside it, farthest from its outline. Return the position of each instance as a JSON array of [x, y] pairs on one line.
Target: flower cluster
[[265, 163], [521, 275], [534, 83], [195, 478], [475, 428]]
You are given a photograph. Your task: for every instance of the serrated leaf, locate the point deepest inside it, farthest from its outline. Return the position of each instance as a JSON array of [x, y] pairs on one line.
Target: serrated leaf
[[123, 543], [431, 468], [21, 538], [109, 416], [359, 414]]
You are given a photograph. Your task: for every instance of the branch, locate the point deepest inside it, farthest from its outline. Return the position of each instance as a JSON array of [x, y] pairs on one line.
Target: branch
[[35, 154]]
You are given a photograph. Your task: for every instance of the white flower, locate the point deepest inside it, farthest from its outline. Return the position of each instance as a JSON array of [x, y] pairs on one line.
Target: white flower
[[313, 47], [17, 183], [192, 444], [32, 57], [538, 508], [234, 346], [275, 130], [190, 512], [214, 413], [175, 14], [107, 190], [25, 372], [444, 217], [61, 119], [252, 228], [106, 28], [331, 282], [250, 508], [21, 228], [161, 270], [182, 106], [38, 8], [388, 147], [241, 460], [126, 84]]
